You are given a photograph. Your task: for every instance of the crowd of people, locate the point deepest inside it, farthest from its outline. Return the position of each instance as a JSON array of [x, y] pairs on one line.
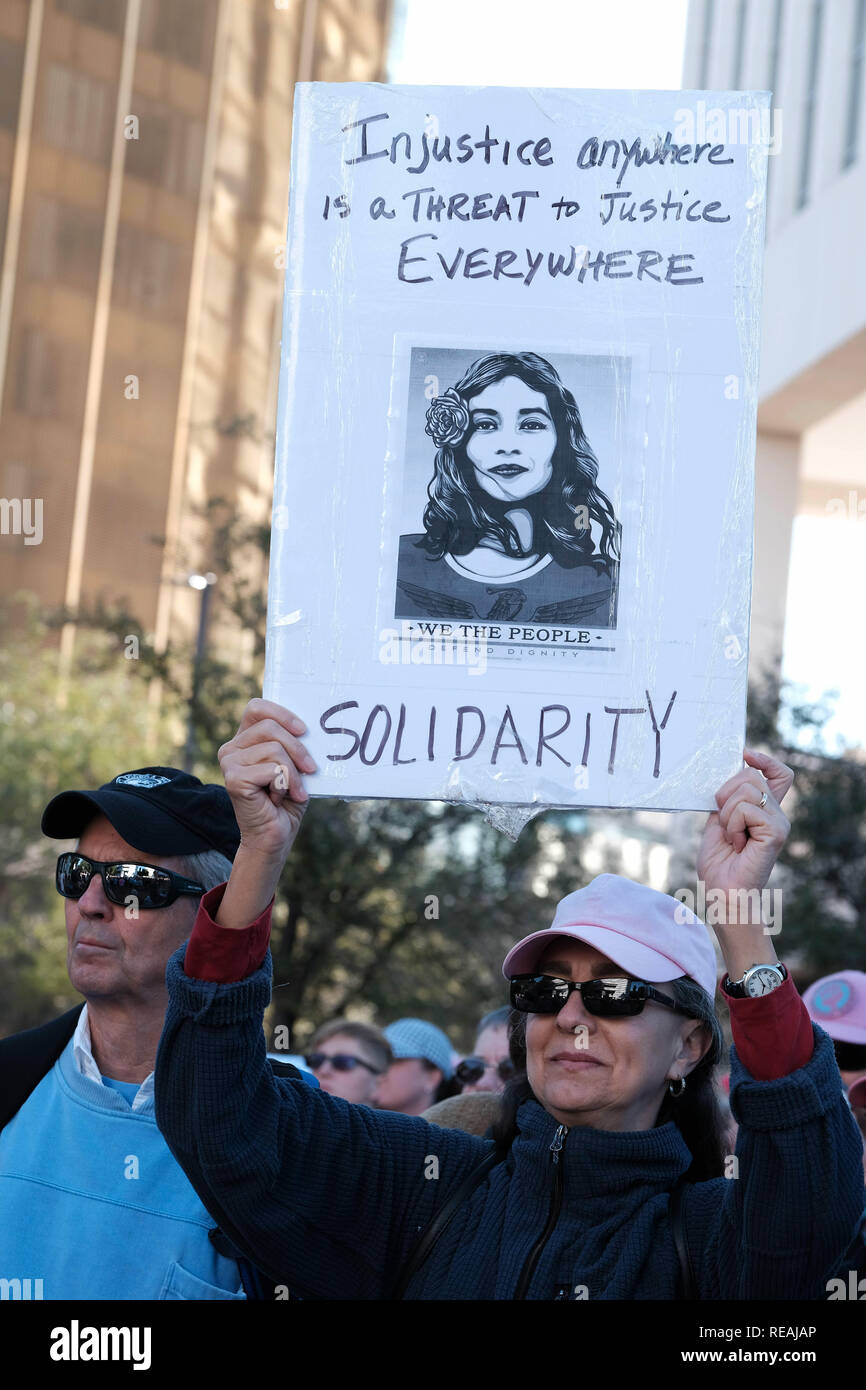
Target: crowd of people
[[582, 1149], [410, 1065], [362, 1063]]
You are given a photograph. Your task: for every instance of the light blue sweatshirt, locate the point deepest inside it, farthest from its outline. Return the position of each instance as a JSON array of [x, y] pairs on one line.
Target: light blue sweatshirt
[[93, 1203]]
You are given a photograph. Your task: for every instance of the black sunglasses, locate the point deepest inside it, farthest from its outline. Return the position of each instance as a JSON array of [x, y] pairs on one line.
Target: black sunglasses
[[148, 885], [615, 997], [471, 1069], [340, 1061]]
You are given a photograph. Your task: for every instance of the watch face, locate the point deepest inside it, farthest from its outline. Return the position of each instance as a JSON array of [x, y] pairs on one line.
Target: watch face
[[762, 982]]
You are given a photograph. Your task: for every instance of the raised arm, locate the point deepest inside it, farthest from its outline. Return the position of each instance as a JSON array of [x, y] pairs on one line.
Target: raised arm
[[779, 1223], [325, 1197]]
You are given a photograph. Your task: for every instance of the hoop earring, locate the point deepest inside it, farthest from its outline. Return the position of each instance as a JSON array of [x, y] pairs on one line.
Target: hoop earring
[[682, 1086]]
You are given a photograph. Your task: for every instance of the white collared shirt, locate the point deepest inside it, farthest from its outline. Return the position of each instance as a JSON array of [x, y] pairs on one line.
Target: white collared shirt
[[82, 1052]]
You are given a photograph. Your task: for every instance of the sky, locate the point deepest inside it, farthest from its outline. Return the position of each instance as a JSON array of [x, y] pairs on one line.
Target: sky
[[539, 43]]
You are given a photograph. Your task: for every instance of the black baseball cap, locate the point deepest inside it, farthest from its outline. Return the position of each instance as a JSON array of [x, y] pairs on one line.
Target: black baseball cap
[[159, 810]]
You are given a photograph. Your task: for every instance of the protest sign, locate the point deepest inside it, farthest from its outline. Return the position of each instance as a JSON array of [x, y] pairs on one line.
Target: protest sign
[[513, 505]]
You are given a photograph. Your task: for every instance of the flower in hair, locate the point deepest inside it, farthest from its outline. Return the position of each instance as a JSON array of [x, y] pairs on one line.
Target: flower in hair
[[447, 419]]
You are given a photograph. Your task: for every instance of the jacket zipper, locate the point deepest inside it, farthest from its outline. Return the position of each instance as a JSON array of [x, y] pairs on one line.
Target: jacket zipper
[[552, 1216]]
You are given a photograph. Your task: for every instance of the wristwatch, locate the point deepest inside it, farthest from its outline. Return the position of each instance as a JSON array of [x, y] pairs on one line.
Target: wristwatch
[[756, 981]]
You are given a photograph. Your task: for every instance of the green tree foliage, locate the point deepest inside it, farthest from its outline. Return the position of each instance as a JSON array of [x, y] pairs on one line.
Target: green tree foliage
[[386, 908], [53, 736], [822, 868]]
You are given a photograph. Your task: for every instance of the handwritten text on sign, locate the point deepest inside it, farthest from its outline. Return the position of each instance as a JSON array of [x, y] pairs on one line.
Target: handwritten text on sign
[[513, 503]]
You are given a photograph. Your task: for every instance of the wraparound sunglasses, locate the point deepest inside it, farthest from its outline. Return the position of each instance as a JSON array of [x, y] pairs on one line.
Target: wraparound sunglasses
[[612, 997], [149, 885], [471, 1069]]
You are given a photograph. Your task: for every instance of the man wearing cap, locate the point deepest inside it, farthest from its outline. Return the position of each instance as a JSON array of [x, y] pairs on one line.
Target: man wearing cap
[[422, 1061], [92, 1202]]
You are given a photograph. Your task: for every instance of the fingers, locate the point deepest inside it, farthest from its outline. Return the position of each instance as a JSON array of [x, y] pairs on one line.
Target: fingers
[[742, 813], [279, 768], [765, 772], [269, 730], [780, 777], [259, 709], [266, 752], [248, 769]]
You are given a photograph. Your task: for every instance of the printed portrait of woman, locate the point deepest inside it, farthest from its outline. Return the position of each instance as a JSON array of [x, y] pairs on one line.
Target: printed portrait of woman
[[516, 527]]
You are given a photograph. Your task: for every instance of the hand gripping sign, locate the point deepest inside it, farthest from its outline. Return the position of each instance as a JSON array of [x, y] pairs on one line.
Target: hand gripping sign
[[513, 504]]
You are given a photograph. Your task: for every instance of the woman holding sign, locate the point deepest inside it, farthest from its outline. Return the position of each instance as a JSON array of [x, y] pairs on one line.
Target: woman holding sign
[[607, 1178], [512, 504]]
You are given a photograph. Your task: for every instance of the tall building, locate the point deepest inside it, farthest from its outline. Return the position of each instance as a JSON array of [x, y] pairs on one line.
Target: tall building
[[144, 173], [810, 534]]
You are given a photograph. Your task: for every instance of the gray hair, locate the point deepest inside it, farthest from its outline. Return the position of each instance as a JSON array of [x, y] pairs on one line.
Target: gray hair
[[209, 868], [692, 997]]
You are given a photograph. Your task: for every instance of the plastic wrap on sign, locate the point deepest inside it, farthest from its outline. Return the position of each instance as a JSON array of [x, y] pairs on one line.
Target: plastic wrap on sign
[[512, 539]]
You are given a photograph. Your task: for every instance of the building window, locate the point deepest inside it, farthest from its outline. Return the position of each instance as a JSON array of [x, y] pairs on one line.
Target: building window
[[169, 148], [11, 67], [77, 113], [150, 273], [50, 376], [64, 243], [811, 102], [180, 31], [855, 90], [775, 49], [101, 14], [739, 41], [773, 77], [706, 38]]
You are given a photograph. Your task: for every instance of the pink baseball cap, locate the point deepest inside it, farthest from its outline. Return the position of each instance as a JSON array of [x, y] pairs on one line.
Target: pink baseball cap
[[838, 1004], [647, 933]]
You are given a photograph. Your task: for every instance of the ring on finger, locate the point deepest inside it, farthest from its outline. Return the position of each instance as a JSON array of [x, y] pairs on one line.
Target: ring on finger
[[763, 800]]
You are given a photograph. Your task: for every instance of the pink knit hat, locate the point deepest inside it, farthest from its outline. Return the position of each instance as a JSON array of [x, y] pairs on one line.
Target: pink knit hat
[[634, 926], [838, 1004]]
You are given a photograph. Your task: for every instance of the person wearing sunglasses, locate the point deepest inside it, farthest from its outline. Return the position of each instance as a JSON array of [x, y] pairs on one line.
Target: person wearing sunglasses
[[605, 1177], [91, 1199], [348, 1059], [489, 1067]]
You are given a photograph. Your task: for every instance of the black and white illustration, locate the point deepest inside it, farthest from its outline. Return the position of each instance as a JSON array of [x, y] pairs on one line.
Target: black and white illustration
[[513, 501], [518, 524]]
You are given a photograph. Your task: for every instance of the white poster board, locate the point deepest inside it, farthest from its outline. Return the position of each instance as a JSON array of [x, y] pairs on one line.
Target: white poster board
[[513, 508]]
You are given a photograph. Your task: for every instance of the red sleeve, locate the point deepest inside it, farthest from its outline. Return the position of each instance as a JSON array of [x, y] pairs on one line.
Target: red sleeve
[[222, 954], [773, 1035]]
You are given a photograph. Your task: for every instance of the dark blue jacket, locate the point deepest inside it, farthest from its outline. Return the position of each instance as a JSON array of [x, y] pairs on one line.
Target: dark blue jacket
[[329, 1198]]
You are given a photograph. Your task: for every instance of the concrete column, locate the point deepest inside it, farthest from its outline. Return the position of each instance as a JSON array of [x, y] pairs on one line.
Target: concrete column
[[777, 479]]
